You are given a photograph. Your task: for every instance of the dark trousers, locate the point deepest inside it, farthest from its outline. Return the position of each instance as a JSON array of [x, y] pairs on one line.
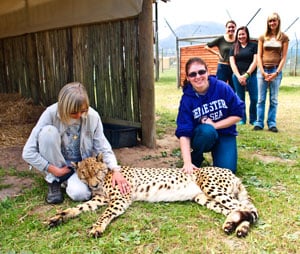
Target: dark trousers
[[222, 147]]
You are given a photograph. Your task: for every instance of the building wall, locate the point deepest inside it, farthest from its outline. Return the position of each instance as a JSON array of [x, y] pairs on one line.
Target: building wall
[[197, 51]]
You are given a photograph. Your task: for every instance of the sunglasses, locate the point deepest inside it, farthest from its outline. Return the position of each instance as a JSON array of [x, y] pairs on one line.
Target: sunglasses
[[194, 74]]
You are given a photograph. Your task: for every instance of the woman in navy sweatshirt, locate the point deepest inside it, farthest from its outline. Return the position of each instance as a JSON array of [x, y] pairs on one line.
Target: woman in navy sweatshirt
[[206, 122]]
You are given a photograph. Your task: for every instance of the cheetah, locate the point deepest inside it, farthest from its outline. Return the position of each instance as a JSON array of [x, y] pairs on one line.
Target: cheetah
[[215, 188]]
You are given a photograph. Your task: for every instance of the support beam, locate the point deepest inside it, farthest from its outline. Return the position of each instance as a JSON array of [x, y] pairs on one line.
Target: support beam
[[147, 75]]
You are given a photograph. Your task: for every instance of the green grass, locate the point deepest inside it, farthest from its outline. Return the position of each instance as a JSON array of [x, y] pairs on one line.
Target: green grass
[[268, 165]]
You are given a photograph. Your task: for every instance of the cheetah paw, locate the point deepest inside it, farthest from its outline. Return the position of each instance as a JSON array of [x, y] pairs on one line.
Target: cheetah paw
[[55, 221], [95, 232]]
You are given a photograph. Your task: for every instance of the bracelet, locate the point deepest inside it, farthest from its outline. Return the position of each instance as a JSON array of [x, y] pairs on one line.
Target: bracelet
[[247, 75], [277, 73]]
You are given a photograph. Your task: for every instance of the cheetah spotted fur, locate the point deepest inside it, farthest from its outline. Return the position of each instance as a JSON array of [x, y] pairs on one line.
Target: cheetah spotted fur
[[215, 188]]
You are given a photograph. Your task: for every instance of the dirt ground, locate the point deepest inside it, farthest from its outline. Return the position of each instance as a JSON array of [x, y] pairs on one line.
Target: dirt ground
[[17, 118], [19, 115]]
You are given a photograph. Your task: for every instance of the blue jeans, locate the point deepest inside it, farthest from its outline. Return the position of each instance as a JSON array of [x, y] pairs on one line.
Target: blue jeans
[[251, 87], [222, 147], [224, 73], [262, 95]]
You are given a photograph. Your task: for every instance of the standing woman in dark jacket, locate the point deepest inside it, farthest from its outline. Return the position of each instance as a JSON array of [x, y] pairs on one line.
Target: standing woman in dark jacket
[[243, 64], [206, 122]]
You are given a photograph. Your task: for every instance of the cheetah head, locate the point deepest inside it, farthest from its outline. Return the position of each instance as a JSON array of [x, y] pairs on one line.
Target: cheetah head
[[92, 171]]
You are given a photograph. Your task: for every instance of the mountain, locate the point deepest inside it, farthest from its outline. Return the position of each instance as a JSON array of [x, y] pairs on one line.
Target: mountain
[[195, 29]]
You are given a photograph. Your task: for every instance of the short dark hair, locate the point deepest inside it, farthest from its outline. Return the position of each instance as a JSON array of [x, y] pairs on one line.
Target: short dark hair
[[230, 21]]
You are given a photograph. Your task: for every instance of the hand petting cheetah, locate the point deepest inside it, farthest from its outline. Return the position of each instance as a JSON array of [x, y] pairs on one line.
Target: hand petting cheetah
[[216, 188]]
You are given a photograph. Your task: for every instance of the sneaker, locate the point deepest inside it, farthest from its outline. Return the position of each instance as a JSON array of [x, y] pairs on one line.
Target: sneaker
[[54, 195], [241, 122], [257, 128], [273, 129]]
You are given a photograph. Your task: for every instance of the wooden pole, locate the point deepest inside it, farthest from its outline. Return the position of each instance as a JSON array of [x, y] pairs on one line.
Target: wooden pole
[[157, 60], [147, 75]]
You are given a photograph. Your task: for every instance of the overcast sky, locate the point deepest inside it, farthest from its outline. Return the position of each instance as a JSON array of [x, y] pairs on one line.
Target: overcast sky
[[181, 12]]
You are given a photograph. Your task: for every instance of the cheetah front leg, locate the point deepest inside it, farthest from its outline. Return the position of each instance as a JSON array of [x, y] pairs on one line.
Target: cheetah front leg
[[70, 213], [115, 208]]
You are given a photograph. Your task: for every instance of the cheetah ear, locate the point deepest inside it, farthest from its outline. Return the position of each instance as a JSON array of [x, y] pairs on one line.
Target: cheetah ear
[[99, 157]]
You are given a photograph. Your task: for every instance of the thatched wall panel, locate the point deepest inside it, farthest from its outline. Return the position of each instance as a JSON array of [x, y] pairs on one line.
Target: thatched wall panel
[[3, 83], [8, 57], [101, 59], [132, 74], [31, 87], [19, 63], [104, 57]]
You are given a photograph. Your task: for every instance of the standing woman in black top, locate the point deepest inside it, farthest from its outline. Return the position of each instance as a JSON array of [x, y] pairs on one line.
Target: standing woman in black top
[[242, 59]]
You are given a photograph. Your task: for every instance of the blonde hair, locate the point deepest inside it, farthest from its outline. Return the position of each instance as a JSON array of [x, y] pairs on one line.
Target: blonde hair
[[268, 32], [71, 99]]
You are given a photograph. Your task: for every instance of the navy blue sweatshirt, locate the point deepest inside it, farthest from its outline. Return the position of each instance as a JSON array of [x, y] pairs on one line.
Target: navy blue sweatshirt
[[218, 103]]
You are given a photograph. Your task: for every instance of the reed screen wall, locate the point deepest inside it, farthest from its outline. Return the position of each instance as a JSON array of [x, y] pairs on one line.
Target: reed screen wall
[[104, 57]]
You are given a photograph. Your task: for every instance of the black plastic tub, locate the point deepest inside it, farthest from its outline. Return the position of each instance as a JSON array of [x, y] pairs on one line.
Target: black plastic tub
[[120, 136]]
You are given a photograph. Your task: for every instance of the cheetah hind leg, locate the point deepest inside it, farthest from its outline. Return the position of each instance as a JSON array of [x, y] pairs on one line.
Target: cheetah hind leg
[[241, 218], [211, 204], [238, 221]]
